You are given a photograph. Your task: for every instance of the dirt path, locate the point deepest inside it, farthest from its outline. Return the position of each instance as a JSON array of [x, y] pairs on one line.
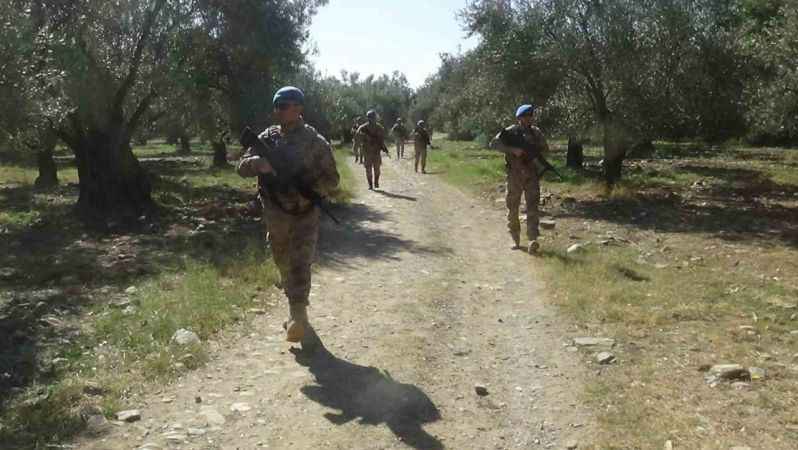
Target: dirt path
[[417, 300]]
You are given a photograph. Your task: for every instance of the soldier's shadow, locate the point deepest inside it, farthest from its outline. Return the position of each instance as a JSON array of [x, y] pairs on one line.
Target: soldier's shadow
[[394, 195], [370, 396]]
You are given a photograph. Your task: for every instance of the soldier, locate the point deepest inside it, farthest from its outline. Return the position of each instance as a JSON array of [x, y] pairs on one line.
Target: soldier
[[356, 122], [293, 219], [522, 176], [372, 138], [399, 133], [421, 140]]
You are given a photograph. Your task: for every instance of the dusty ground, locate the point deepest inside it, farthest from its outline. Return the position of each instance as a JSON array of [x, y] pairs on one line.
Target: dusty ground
[[417, 299]]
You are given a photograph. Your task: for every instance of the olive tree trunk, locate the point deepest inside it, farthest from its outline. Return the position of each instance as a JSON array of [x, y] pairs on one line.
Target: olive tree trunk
[[616, 144], [48, 172], [575, 158], [112, 182], [219, 153]]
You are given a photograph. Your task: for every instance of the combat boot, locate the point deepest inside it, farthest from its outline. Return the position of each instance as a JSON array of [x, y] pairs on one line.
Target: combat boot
[[297, 324], [533, 247]]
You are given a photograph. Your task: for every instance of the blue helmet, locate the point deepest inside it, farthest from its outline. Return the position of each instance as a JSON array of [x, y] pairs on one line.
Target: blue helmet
[[289, 94], [525, 110]]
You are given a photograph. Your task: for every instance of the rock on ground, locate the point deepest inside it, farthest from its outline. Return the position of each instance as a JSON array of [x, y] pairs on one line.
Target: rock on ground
[[185, 337]]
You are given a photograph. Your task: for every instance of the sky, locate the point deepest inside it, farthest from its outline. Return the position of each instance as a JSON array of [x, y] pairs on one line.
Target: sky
[[381, 36]]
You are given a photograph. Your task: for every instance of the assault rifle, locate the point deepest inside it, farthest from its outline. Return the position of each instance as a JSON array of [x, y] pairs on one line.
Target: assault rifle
[[531, 152], [286, 175], [425, 133], [381, 142]]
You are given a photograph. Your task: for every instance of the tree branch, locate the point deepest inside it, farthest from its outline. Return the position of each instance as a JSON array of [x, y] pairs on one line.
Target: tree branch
[[133, 123], [135, 63]]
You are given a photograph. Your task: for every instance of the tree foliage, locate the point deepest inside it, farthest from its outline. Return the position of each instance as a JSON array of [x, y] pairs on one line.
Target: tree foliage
[[633, 70]]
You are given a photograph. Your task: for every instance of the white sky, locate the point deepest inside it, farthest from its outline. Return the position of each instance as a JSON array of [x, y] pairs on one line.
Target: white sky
[[381, 36]]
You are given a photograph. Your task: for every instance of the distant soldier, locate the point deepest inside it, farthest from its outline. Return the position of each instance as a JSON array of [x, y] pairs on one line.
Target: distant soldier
[[522, 175], [421, 140], [399, 133], [356, 147], [372, 138], [293, 218]]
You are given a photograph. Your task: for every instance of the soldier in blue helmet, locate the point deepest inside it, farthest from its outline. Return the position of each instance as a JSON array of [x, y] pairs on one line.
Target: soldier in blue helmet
[[293, 219], [522, 176]]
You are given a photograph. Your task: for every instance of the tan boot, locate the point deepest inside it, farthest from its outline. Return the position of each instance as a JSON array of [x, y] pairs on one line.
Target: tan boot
[[297, 324]]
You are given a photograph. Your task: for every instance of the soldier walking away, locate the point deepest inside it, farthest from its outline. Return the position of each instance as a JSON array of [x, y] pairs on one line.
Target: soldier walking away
[[293, 217], [421, 141], [356, 147], [399, 133], [522, 175], [372, 142]]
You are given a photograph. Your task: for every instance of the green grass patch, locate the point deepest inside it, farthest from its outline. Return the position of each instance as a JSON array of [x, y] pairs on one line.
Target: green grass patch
[[127, 348], [346, 187], [473, 167], [27, 175], [202, 297], [681, 287], [201, 279]]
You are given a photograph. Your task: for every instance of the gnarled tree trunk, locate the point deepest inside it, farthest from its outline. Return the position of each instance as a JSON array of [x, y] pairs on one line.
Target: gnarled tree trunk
[[219, 153], [575, 157], [184, 143], [48, 172], [616, 144], [112, 182]]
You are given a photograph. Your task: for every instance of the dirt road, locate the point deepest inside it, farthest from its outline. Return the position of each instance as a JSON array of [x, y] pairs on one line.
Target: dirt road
[[417, 299]]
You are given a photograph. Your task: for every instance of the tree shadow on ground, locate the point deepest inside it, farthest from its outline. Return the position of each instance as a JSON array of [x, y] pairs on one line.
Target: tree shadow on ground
[[355, 239], [54, 268], [370, 396], [733, 204]]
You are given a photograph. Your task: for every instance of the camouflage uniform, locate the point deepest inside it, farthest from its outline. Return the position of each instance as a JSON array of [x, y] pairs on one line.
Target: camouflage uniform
[[293, 219], [421, 140], [522, 178], [356, 147], [400, 133], [372, 137]]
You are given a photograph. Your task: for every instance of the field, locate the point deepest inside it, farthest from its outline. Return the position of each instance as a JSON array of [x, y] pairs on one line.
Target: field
[[691, 261], [89, 315]]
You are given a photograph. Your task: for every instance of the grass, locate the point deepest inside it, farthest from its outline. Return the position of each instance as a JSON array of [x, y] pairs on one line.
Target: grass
[[346, 186], [689, 261], [203, 270]]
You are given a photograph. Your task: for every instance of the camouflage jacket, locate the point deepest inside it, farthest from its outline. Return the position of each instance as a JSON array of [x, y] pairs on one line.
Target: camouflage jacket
[[421, 137], [309, 152], [371, 137], [399, 131], [532, 135]]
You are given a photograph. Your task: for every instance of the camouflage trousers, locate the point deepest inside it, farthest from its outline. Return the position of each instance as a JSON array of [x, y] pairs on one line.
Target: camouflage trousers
[[400, 148], [420, 155], [522, 181], [372, 160], [293, 244], [357, 150]]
